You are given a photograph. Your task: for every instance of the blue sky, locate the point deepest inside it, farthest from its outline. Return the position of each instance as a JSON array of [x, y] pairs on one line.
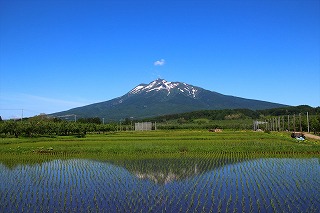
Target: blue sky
[[57, 55]]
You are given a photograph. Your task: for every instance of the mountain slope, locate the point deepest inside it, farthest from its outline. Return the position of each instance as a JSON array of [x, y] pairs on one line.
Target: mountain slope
[[161, 97]]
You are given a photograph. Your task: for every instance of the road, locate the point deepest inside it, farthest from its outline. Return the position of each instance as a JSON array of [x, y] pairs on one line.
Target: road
[[308, 135]]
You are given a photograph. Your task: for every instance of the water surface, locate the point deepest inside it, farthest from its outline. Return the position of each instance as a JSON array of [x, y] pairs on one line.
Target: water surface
[[171, 185]]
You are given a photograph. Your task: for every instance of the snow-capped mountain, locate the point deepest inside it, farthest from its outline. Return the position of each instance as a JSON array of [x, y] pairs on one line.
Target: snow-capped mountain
[[167, 86], [161, 97]]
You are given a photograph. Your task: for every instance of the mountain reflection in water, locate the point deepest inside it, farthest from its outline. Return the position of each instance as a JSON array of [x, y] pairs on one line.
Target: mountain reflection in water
[[163, 178], [164, 171]]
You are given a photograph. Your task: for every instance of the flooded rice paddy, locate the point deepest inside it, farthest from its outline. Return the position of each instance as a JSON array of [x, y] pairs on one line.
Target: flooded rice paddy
[[163, 185]]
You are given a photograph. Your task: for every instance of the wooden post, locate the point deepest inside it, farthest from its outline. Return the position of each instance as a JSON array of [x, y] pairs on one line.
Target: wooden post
[[266, 125], [308, 122], [273, 125], [300, 122]]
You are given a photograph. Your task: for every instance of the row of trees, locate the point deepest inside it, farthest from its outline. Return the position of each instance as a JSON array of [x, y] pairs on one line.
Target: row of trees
[[42, 126], [302, 109], [225, 114], [237, 119], [237, 114]]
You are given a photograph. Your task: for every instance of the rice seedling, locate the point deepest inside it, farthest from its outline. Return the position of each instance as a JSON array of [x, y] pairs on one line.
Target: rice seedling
[[141, 172]]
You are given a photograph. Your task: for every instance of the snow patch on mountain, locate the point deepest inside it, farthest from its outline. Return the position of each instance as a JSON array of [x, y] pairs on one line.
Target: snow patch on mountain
[[137, 89], [161, 84]]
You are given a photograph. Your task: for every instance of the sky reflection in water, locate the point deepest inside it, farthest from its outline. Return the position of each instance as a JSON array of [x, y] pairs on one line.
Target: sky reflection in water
[[170, 185]]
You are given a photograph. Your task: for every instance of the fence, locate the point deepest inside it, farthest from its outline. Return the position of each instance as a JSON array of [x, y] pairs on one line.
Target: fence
[[284, 123]]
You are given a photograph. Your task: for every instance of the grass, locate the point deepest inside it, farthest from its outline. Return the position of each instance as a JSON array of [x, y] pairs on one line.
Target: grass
[[153, 144], [193, 171]]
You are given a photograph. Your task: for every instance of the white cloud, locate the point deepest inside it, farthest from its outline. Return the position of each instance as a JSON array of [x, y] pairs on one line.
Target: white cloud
[[160, 62]]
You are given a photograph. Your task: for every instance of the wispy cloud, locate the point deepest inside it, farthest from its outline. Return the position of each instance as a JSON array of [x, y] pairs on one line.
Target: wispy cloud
[[160, 62]]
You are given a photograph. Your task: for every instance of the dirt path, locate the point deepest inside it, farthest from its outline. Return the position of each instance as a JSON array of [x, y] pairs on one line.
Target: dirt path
[[308, 135]]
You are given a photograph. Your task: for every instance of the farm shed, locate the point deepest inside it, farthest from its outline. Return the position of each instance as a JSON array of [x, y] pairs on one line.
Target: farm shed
[[145, 126]]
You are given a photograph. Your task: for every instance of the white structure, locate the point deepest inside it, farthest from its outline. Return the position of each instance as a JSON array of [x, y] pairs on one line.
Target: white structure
[[256, 124], [145, 126]]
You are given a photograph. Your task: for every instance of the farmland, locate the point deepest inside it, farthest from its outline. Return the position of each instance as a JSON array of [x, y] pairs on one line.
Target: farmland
[[159, 142], [156, 171]]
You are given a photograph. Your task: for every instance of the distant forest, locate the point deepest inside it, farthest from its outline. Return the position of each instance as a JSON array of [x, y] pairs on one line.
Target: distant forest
[[238, 114]]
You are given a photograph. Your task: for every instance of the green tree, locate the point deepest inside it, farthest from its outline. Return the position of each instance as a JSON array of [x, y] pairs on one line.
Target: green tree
[[315, 124]]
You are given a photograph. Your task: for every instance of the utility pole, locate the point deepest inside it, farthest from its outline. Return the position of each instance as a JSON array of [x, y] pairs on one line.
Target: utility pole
[[300, 122], [266, 125], [102, 120], [308, 122]]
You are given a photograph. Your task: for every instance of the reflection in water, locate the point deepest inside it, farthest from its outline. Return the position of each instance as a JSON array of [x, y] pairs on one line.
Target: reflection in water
[[170, 185], [164, 171], [163, 178]]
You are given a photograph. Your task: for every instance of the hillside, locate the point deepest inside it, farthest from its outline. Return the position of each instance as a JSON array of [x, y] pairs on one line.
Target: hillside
[[237, 114], [161, 97]]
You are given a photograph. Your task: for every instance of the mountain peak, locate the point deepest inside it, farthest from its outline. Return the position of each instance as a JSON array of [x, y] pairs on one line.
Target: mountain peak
[[162, 97], [169, 87]]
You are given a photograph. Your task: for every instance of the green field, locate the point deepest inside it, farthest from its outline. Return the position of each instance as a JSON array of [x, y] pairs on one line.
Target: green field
[[160, 171], [153, 144]]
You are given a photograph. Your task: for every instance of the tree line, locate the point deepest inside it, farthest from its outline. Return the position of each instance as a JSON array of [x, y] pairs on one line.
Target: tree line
[[225, 114], [238, 114], [279, 119], [44, 126]]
